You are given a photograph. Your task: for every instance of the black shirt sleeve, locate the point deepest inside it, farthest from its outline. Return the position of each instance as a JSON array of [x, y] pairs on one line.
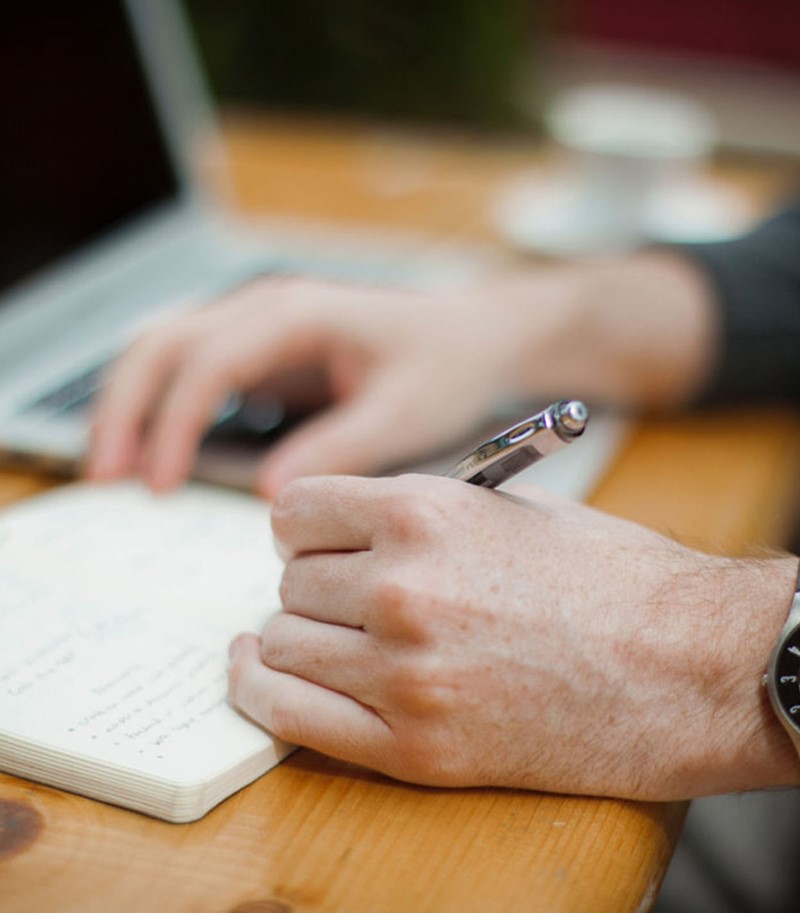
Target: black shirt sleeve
[[757, 278]]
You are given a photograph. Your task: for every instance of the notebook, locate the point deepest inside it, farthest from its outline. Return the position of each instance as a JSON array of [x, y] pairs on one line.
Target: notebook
[[106, 220], [115, 612]]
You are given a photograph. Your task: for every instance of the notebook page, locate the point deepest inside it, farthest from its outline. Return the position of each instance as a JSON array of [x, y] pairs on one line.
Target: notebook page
[[115, 614]]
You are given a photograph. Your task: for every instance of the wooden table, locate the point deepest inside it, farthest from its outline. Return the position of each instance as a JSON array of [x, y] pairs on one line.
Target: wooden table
[[316, 834]]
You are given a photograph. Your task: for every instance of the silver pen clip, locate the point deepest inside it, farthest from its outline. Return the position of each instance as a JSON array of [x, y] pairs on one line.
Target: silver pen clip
[[520, 446]]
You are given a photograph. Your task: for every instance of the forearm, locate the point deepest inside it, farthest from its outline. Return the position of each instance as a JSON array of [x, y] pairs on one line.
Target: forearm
[[637, 331], [704, 322]]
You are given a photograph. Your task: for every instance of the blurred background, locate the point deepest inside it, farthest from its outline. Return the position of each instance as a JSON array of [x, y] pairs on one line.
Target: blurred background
[[610, 113], [493, 63], [451, 61]]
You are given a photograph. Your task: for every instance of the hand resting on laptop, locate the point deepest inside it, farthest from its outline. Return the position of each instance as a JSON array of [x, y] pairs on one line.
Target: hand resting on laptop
[[404, 372]]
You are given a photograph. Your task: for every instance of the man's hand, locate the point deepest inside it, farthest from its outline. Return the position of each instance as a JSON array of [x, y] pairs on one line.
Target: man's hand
[[451, 635], [405, 372]]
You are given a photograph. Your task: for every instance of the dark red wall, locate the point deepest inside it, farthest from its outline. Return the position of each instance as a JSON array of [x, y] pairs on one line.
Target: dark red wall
[[760, 30]]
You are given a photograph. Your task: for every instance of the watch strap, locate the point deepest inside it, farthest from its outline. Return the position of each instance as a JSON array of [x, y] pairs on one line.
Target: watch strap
[[783, 672]]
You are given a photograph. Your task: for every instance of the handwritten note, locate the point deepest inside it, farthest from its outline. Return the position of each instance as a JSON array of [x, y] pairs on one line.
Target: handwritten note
[[116, 609]]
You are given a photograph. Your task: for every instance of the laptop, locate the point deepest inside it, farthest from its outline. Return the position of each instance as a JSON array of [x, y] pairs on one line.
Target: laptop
[[105, 222]]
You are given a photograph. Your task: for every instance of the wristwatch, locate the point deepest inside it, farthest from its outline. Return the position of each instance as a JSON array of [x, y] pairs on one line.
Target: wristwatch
[[783, 673]]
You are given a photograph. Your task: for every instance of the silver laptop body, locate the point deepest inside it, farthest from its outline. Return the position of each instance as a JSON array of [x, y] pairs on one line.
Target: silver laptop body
[[104, 222], [105, 218]]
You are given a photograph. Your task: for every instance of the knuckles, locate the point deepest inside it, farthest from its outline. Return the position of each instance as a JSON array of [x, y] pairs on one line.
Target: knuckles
[[429, 754], [286, 510], [401, 608], [290, 498], [286, 721], [149, 348], [270, 649], [207, 360], [421, 685], [409, 512], [415, 510]]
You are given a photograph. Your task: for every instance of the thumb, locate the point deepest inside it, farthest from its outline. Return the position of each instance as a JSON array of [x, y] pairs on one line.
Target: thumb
[[357, 436]]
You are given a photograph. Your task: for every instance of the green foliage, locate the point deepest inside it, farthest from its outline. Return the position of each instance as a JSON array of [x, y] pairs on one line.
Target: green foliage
[[445, 61]]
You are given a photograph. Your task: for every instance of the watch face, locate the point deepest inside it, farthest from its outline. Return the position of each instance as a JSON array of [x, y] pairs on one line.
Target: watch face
[[786, 678]]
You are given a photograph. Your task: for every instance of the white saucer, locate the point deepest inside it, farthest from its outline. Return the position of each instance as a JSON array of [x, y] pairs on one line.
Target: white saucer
[[558, 214]]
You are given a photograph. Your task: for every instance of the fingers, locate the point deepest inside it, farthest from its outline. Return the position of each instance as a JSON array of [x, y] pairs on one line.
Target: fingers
[[189, 405], [336, 657], [372, 429], [134, 388], [163, 392], [404, 514], [328, 587], [388, 386], [324, 514], [302, 712], [131, 386]]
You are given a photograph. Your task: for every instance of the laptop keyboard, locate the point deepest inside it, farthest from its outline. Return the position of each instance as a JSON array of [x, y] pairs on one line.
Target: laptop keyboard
[[71, 397]]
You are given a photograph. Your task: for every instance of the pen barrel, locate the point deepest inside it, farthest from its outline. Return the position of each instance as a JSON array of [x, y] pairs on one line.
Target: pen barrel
[[519, 447]]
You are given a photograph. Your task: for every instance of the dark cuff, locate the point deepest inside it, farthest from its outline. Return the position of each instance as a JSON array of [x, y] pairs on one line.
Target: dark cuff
[[757, 283]]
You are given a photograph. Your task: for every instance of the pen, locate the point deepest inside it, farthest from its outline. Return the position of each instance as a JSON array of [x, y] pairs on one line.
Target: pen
[[520, 446]]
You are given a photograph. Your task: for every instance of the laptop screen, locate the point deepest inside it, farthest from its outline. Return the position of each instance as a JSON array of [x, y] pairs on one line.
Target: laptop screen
[[81, 149]]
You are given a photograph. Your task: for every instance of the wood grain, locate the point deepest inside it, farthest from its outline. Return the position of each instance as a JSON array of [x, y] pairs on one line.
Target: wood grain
[[318, 835], [724, 481]]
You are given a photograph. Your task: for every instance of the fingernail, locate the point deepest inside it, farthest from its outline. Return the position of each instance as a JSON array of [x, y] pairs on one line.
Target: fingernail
[[268, 484], [276, 471], [107, 457], [235, 648], [99, 463]]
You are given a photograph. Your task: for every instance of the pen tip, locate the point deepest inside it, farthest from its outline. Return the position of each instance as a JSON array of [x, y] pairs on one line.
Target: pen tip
[[573, 416]]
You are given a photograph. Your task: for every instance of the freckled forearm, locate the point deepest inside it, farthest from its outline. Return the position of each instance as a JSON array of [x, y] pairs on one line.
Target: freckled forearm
[[639, 331]]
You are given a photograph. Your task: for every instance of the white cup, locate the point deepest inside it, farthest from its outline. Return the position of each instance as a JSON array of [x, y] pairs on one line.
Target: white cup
[[624, 142], [631, 172]]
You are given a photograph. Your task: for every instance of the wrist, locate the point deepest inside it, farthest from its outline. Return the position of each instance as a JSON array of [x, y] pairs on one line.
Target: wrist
[[782, 678], [749, 749], [637, 331]]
